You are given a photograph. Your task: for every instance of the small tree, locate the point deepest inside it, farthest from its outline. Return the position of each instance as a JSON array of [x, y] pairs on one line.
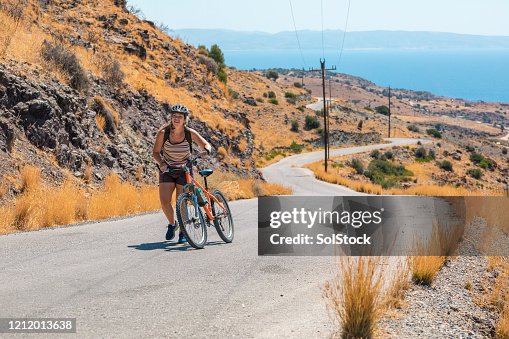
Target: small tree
[[382, 110], [311, 122], [446, 165], [272, 75], [216, 54]]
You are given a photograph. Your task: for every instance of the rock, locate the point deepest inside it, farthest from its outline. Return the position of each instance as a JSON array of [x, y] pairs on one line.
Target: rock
[[250, 101]]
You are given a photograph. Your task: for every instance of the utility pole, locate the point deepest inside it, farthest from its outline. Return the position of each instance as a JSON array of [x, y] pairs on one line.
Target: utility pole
[[325, 113], [389, 112], [328, 113]]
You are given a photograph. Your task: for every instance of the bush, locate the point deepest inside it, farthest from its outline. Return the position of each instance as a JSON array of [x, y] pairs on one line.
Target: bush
[[476, 158], [66, 62], [223, 77], [210, 63], [295, 147], [112, 72], [203, 50], [432, 154], [420, 153], [295, 126], [385, 173], [218, 56], [445, 165], [259, 99], [357, 165], [470, 148], [375, 154], [434, 133], [272, 75], [290, 95], [311, 122], [359, 125], [382, 110], [504, 151], [270, 94], [301, 108], [297, 84], [274, 101], [413, 128], [389, 155], [475, 173]]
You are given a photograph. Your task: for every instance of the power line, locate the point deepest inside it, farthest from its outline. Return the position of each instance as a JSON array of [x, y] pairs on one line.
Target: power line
[[297, 35], [344, 33]]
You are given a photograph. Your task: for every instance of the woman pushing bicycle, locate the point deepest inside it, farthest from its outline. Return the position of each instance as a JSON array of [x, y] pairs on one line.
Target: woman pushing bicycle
[[173, 147]]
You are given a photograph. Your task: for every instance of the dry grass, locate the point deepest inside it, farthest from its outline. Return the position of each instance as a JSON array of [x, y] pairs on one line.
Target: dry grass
[[235, 187], [496, 297], [433, 252], [336, 176], [502, 326], [30, 210], [100, 121], [356, 296]]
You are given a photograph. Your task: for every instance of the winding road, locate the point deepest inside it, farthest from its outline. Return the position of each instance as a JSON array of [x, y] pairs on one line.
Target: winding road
[[120, 279]]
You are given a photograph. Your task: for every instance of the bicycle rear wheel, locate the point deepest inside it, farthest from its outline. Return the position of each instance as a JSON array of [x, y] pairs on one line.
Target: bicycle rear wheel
[[223, 220], [191, 220]]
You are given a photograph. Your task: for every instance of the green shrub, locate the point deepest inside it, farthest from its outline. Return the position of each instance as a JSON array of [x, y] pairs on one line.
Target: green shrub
[[273, 101], [375, 154], [223, 77], [470, 148], [297, 84], [311, 122], [272, 75], [295, 147], [295, 126], [446, 165], [301, 108], [420, 153], [389, 155], [413, 128], [271, 94], [357, 165], [259, 99], [434, 133], [218, 56], [290, 95], [386, 173], [382, 110], [475, 173]]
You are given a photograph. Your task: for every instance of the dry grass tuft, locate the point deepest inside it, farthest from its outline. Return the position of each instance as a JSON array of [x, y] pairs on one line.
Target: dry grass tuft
[[355, 299], [502, 326], [441, 244], [30, 178]]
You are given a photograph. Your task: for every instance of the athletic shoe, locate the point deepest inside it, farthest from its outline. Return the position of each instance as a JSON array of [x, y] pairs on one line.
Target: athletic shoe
[[182, 238], [170, 232]]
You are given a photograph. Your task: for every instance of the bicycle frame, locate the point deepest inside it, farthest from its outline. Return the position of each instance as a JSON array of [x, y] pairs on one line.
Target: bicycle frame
[[191, 183]]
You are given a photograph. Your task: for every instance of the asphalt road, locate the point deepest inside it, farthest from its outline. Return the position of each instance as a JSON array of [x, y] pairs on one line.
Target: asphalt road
[[119, 278]]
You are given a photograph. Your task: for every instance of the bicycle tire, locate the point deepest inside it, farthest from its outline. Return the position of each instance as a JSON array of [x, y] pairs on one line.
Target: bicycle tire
[[189, 225], [225, 233]]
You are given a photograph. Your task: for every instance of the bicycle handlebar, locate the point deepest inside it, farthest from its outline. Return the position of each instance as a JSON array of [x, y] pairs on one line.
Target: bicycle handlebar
[[192, 160]]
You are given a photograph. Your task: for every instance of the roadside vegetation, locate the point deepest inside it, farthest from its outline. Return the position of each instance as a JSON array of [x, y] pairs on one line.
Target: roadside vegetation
[[70, 203]]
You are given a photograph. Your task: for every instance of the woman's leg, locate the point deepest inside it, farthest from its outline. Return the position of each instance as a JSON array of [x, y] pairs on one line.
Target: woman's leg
[[165, 196]]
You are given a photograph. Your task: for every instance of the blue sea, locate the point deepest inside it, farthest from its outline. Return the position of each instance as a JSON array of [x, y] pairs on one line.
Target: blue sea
[[467, 74]]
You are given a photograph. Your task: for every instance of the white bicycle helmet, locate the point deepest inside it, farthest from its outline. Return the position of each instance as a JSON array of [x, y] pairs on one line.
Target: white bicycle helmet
[[180, 109]]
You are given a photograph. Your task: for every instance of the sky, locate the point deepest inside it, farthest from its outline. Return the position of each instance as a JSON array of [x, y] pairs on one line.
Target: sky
[[480, 17]]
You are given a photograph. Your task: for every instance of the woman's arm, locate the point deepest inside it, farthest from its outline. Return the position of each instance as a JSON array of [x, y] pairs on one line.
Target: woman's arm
[[156, 151], [200, 140]]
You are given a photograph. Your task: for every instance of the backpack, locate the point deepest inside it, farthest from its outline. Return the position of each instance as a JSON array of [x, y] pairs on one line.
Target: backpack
[[187, 134]]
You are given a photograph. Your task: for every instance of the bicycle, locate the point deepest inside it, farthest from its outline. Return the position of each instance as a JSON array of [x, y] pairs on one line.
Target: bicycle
[[196, 198]]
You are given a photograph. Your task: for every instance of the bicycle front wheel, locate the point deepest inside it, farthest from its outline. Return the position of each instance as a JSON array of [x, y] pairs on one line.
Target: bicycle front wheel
[[223, 220], [191, 220]]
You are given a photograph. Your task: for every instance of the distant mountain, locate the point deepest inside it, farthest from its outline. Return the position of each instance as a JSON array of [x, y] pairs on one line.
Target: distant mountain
[[241, 40]]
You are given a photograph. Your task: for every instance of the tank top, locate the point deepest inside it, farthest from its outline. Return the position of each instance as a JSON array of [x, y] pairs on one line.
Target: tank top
[[176, 154]]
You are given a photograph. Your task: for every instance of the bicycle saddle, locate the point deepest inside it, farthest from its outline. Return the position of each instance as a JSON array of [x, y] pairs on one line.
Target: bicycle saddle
[[206, 172]]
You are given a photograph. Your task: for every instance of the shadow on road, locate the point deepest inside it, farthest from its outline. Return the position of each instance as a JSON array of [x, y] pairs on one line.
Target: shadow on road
[[168, 246]]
